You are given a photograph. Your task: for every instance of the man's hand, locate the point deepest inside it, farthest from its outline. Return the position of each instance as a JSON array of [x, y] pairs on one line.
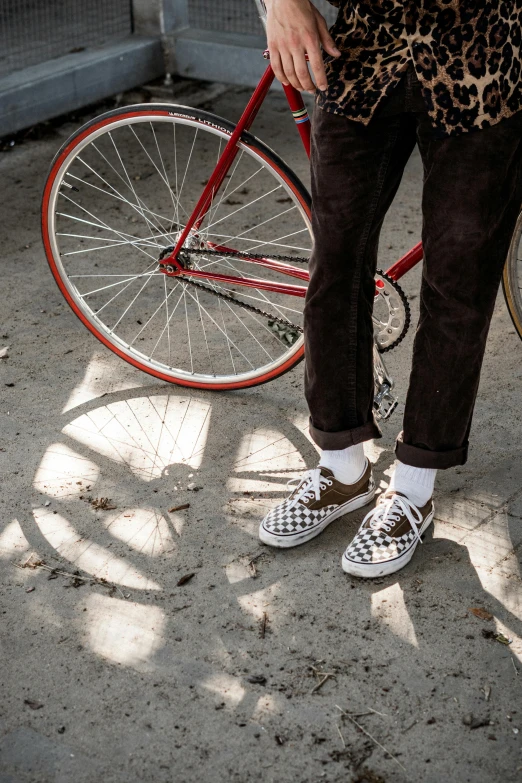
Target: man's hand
[[295, 28]]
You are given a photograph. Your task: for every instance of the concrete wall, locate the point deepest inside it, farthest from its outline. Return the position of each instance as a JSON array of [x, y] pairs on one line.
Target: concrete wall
[[233, 57], [163, 41], [63, 84]]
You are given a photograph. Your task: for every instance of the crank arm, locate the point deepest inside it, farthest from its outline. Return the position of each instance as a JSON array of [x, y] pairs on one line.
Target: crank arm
[[384, 402]]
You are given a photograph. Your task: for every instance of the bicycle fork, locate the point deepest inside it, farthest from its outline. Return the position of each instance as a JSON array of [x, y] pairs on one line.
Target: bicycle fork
[[384, 402]]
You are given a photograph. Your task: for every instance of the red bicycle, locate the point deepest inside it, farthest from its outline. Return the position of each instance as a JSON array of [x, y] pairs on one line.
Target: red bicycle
[[181, 241]]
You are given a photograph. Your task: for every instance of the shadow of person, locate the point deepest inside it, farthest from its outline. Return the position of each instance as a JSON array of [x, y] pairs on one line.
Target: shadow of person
[[444, 574]]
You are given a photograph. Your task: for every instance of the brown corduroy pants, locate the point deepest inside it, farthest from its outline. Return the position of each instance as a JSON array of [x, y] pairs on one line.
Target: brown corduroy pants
[[472, 196]]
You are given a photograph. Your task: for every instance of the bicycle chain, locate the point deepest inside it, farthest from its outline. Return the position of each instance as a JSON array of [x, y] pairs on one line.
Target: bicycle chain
[[242, 304], [232, 299], [263, 313], [238, 254]]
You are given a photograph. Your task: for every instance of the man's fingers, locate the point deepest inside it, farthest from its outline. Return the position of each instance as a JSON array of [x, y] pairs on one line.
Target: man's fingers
[[295, 30], [326, 39], [277, 67], [289, 70], [317, 65], [303, 74]]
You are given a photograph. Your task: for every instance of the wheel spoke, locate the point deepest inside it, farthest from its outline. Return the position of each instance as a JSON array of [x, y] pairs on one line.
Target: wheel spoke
[[226, 193], [116, 195], [228, 343], [276, 242], [227, 264], [178, 195], [145, 284], [188, 331], [120, 282], [175, 170], [149, 223], [166, 179], [107, 239], [149, 170], [209, 354], [245, 206], [261, 243], [167, 325], [248, 330], [167, 313], [264, 222], [213, 209], [102, 247], [142, 204], [103, 225], [100, 309]]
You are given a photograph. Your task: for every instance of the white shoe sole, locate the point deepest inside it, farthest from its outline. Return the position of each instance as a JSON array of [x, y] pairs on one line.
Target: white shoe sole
[[374, 570], [286, 542]]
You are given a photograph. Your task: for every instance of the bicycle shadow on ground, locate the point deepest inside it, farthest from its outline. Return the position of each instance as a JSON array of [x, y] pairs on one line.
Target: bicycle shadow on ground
[[249, 634]]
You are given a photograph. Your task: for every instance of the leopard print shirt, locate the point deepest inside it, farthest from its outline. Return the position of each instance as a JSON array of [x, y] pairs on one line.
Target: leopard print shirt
[[467, 55]]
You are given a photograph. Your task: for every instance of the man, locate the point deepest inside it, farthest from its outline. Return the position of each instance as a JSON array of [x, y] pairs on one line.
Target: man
[[446, 75]]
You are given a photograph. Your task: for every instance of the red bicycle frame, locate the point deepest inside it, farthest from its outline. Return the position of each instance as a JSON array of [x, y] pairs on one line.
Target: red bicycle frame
[[172, 267]]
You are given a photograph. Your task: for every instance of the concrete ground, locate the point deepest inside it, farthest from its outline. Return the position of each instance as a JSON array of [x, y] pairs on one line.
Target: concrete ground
[[223, 678]]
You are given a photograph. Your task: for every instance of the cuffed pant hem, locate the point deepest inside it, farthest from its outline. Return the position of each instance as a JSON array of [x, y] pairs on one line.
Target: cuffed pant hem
[[424, 458], [341, 440]]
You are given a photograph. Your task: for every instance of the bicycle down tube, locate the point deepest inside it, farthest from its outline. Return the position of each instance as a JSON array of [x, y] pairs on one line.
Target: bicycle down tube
[[173, 268], [210, 191]]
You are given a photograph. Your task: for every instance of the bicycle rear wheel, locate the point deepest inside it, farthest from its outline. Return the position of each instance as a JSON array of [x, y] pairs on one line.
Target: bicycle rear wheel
[[512, 278], [121, 190]]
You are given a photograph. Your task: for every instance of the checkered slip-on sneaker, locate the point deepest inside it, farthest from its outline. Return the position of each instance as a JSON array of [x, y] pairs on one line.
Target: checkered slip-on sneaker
[[388, 536], [316, 501]]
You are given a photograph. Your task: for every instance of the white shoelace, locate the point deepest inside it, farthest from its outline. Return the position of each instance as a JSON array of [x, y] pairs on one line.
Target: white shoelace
[[389, 511], [313, 482]]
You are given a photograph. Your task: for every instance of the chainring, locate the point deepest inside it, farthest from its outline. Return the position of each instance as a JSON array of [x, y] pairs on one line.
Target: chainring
[[391, 313]]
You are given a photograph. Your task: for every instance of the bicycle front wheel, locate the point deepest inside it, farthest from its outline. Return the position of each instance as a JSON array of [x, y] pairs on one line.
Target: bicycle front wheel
[[120, 192], [512, 279]]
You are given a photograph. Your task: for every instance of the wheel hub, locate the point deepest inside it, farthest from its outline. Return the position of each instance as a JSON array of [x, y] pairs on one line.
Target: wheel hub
[[184, 259]]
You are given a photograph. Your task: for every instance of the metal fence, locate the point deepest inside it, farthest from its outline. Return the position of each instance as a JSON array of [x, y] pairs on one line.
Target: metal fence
[[237, 16], [230, 16], [59, 55], [34, 31], [223, 40]]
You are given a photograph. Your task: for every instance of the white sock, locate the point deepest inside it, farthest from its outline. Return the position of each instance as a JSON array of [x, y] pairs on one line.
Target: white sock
[[416, 483], [347, 465]]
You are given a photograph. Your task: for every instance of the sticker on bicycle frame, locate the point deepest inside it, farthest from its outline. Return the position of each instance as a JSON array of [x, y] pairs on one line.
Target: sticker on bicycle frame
[[301, 115]]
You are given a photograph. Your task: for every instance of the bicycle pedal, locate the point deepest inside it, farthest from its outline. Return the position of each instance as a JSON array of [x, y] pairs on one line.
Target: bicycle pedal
[[384, 402]]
